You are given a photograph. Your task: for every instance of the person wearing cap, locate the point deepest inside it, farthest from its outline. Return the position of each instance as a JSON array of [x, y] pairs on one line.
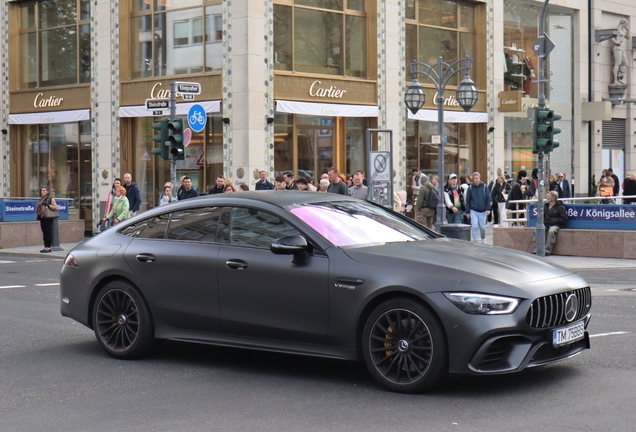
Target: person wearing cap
[[454, 200], [478, 203]]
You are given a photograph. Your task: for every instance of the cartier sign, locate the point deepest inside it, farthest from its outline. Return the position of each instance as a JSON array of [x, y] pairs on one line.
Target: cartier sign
[[42, 102], [510, 101], [158, 93], [315, 90]]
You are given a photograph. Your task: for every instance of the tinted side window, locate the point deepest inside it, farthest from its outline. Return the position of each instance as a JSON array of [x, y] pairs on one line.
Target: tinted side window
[[198, 224], [223, 233], [255, 228], [154, 227]]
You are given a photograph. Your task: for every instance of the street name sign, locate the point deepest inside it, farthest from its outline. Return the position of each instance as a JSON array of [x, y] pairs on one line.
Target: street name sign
[[191, 88], [157, 104]]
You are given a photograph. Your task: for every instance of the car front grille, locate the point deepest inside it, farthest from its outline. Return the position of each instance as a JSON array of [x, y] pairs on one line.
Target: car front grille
[[550, 311]]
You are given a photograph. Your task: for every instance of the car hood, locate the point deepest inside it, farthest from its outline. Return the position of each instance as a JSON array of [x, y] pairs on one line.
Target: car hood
[[458, 259]]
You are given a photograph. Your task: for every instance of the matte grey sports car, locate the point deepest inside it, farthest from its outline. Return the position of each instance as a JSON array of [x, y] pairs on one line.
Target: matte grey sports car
[[326, 275]]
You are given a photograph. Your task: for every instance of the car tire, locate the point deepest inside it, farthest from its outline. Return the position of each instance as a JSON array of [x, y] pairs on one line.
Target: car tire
[[122, 321], [404, 347]]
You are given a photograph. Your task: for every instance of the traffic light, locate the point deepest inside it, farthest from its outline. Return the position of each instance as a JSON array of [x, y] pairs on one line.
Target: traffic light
[[162, 135], [553, 131], [177, 150], [542, 130]]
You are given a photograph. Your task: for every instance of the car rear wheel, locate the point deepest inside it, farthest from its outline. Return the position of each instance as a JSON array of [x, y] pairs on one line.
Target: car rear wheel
[[404, 347], [122, 321]]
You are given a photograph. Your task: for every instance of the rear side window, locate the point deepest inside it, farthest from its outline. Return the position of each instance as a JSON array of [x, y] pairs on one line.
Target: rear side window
[[198, 224], [255, 228], [153, 228]]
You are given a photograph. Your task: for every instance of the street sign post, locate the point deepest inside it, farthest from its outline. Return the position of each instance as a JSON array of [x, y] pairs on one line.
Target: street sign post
[[157, 104], [190, 88]]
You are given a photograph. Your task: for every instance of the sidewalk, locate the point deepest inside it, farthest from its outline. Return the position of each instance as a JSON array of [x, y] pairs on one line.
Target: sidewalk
[[570, 262]]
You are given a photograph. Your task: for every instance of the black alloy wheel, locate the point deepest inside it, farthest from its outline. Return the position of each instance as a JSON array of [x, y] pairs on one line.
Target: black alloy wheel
[[122, 322], [404, 347]]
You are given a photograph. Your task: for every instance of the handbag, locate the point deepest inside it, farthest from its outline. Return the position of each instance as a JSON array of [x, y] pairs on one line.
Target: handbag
[[46, 213]]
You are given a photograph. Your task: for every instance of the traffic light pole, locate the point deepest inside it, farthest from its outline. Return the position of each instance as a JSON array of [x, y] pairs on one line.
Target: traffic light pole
[[173, 117], [540, 231]]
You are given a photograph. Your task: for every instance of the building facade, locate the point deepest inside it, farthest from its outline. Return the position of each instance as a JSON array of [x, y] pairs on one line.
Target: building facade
[[287, 85]]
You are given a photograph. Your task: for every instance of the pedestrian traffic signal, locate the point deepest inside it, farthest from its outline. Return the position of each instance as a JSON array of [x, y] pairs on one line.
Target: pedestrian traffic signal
[[553, 131], [177, 150], [161, 137], [542, 130]]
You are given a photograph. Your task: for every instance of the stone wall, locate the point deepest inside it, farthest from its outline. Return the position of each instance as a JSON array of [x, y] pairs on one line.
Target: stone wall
[[572, 242], [17, 234]]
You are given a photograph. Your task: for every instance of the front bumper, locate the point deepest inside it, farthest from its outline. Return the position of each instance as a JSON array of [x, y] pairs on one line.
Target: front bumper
[[498, 344]]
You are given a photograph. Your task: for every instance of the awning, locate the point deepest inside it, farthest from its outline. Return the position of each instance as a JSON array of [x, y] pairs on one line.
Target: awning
[[182, 109], [323, 109], [450, 116], [50, 117]]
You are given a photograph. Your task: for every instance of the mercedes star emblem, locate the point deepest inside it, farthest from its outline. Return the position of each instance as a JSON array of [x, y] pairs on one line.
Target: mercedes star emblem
[[571, 307]]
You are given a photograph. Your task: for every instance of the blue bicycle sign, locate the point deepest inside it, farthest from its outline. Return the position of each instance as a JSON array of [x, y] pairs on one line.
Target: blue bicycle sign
[[197, 118]]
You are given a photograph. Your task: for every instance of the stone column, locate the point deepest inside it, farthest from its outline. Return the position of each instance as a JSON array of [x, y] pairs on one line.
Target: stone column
[[248, 79]]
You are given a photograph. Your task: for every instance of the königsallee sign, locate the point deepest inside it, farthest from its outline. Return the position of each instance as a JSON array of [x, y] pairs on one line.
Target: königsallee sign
[[594, 216]]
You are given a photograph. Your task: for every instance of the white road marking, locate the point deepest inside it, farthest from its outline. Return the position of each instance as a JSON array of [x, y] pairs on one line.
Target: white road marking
[[609, 334], [12, 286], [7, 262], [47, 284]]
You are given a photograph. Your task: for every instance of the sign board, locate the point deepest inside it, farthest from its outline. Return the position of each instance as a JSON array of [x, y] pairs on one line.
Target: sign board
[[380, 166], [197, 118], [145, 156], [188, 96], [594, 216], [596, 111], [510, 101], [25, 210], [188, 88], [436, 139], [157, 104]]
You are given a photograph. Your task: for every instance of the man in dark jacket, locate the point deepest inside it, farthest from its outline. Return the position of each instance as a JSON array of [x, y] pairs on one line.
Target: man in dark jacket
[[133, 193], [478, 202], [555, 217], [521, 190], [263, 183], [218, 188], [188, 191], [616, 181]]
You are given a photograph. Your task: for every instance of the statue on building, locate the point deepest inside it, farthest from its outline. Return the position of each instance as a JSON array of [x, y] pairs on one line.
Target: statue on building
[[619, 68]]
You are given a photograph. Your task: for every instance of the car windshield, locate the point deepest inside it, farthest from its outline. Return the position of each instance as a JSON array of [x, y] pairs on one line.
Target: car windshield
[[357, 223]]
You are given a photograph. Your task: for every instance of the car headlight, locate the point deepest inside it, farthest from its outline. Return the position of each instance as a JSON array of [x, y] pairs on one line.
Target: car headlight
[[483, 304]]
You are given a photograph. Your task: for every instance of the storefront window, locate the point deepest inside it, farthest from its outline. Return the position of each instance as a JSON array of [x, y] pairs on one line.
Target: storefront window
[[203, 159], [54, 43], [306, 145], [459, 152], [437, 28], [59, 156], [175, 38], [321, 36]]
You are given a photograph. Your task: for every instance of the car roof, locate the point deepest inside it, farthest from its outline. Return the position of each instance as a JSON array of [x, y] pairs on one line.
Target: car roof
[[279, 198]]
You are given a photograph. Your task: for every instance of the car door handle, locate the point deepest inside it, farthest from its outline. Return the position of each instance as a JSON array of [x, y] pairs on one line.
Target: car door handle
[[146, 257], [236, 264]]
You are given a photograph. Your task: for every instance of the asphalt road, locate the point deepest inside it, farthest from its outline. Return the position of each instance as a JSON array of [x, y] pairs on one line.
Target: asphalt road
[[55, 377]]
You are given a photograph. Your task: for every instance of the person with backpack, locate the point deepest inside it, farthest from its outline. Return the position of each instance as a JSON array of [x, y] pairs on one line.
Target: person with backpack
[[426, 204], [478, 202]]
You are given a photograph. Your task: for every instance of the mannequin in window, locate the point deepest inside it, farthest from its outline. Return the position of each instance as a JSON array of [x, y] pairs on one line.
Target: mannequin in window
[[528, 71]]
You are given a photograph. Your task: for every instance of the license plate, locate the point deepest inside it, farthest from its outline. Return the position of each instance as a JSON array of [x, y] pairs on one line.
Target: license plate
[[566, 335]]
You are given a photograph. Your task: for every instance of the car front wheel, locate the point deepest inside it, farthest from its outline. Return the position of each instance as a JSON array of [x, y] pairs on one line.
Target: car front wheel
[[122, 322], [404, 347]]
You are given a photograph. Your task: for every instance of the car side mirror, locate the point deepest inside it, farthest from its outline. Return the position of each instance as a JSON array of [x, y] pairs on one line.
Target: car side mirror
[[290, 245]]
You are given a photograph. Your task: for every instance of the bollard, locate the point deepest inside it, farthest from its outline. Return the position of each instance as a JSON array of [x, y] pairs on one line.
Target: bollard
[[56, 237]]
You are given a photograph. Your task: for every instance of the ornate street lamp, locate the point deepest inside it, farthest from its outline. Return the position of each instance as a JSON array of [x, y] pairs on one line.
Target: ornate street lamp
[[414, 99]]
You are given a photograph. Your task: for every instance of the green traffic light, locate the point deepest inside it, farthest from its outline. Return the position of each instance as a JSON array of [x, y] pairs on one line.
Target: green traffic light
[[553, 117], [177, 149], [162, 135], [542, 130]]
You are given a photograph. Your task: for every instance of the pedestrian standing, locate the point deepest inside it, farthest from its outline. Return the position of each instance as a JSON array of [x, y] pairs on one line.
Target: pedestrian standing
[[337, 186], [263, 183], [133, 194], [121, 207], [426, 205], [46, 214], [478, 203], [358, 190]]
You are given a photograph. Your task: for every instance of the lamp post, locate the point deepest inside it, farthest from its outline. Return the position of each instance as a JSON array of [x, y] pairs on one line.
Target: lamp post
[[440, 74]]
